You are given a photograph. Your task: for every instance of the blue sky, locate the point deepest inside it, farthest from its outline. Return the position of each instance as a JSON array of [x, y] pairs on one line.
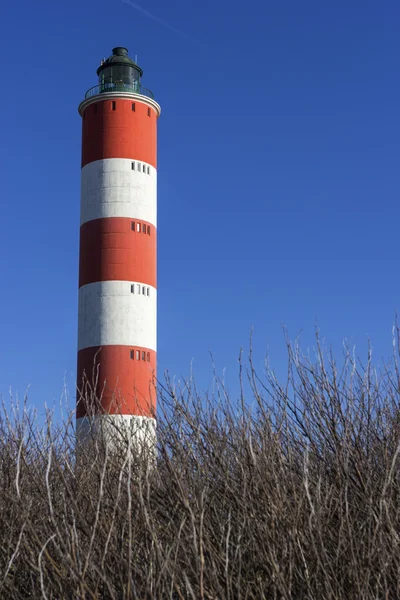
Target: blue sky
[[278, 164]]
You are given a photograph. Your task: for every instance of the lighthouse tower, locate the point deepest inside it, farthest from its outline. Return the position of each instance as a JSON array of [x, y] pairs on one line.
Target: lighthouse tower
[[117, 263]]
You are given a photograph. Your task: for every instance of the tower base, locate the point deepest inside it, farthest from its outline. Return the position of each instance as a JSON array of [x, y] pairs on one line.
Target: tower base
[[119, 432]]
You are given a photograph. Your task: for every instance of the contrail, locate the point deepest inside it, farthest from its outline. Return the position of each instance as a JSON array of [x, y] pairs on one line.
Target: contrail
[[151, 16]]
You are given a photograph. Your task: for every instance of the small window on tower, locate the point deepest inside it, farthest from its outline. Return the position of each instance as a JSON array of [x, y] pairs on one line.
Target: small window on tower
[[144, 228], [138, 288], [148, 357], [143, 290], [132, 288], [138, 227], [132, 355], [133, 166], [133, 225], [113, 104], [137, 355], [148, 170], [148, 112], [148, 229], [148, 291], [133, 107], [143, 355], [139, 167]]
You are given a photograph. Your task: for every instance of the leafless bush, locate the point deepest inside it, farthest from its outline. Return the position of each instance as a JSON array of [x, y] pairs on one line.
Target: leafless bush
[[290, 491]]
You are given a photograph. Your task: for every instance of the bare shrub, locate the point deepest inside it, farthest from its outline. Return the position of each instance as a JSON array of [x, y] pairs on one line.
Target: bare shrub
[[290, 491]]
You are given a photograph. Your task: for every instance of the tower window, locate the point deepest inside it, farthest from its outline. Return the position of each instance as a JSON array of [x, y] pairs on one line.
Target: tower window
[[132, 288], [133, 107], [148, 112], [148, 170], [143, 355], [133, 225], [144, 228], [133, 166], [148, 357], [113, 104], [143, 290], [137, 355], [148, 291], [138, 227], [138, 167], [132, 354], [148, 229], [138, 288]]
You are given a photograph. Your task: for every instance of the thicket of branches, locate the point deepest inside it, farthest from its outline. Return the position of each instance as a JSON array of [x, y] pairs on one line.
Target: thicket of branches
[[290, 492]]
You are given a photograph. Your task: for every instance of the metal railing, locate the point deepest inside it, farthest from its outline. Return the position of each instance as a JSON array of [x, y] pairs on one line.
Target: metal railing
[[103, 88]]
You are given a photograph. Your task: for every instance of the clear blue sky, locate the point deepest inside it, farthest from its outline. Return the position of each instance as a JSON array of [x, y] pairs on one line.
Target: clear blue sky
[[278, 176]]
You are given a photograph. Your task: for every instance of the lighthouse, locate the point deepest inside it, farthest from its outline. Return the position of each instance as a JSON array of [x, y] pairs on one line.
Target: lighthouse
[[117, 314]]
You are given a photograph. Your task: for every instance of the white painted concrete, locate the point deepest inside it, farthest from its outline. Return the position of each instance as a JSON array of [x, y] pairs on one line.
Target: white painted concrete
[[122, 430], [110, 314], [110, 188]]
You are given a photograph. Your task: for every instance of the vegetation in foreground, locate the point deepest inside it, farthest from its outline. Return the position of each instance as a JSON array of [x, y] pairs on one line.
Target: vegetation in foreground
[[290, 492]]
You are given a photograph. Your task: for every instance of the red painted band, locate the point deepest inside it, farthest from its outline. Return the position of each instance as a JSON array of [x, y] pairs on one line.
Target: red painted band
[[120, 132], [124, 385], [110, 250]]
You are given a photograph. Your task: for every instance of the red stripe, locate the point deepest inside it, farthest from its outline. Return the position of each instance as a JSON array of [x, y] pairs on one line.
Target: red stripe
[[119, 133], [111, 251], [126, 385]]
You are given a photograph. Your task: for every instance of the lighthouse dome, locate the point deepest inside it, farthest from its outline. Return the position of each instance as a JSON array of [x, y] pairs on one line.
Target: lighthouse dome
[[119, 68]]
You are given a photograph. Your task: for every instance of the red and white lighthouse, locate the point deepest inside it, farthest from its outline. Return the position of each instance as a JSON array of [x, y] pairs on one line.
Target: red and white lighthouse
[[117, 263]]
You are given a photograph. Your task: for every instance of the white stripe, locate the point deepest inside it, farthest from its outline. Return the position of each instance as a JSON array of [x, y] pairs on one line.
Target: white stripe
[[110, 188], [118, 427], [110, 314]]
